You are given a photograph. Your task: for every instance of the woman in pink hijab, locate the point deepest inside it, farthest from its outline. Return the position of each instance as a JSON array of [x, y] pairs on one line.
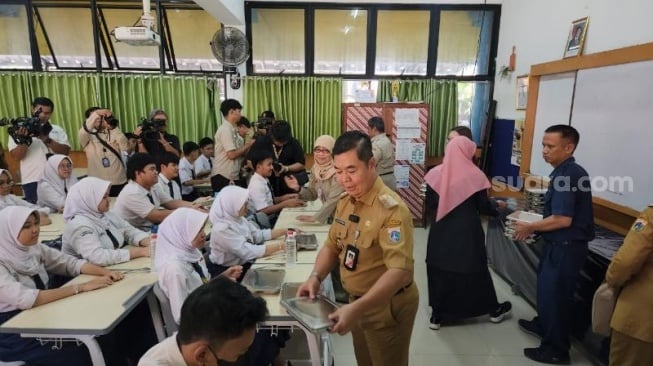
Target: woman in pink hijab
[[459, 281]]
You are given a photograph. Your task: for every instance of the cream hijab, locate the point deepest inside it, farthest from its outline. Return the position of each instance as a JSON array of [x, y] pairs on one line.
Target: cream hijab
[[51, 175], [175, 235], [224, 210], [325, 171], [14, 255], [84, 198]]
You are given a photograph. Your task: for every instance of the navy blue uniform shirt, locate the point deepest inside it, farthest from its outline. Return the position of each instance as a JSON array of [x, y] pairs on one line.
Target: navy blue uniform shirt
[[570, 195]]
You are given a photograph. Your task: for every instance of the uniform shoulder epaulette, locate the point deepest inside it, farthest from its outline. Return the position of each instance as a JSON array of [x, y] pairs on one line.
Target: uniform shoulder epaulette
[[388, 201], [343, 195]]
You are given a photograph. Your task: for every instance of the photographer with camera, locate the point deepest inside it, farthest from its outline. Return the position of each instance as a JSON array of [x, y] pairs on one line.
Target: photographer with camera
[[227, 162], [154, 136], [103, 143], [32, 141], [289, 158], [264, 123]]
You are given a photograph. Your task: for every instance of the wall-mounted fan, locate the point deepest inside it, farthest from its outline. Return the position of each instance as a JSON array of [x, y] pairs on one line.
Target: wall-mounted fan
[[229, 45]]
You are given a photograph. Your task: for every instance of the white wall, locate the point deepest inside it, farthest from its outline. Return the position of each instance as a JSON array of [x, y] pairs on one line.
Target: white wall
[[539, 28]]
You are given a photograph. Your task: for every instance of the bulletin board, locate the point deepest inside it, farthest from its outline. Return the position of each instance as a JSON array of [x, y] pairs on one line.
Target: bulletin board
[[407, 126]]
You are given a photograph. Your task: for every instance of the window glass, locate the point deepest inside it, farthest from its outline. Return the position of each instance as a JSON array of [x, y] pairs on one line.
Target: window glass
[[465, 39], [63, 25], [278, 41], [359, 91], [14, 38], [340, 41], [402, 39], [191, 31], [473, 103]]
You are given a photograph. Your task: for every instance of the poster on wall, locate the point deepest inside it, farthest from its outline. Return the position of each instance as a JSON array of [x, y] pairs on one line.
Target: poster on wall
[[417, 152], [518, 133], [402, 174]]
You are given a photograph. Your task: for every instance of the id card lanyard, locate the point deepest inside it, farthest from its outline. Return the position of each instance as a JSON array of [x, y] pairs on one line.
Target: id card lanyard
[[352, 252]]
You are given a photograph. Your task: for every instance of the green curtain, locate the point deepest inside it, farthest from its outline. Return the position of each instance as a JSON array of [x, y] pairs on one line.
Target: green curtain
[[311, 105], [188, 100], [440, 95]]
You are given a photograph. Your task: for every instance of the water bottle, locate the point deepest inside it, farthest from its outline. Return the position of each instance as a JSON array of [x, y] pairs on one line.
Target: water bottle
[[153, 235], [291, 248]]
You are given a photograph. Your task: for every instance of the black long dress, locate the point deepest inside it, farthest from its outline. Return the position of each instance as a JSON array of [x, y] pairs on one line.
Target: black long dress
[[459, 280]]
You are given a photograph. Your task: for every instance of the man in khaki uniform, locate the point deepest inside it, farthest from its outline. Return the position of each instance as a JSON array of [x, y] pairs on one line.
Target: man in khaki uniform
[[372, 239], [383, 151], [631, 271]]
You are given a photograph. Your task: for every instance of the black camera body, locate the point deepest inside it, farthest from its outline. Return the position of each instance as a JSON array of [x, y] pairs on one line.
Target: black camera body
[[33, 125], [277, 166], [150, 129], [112, 121]]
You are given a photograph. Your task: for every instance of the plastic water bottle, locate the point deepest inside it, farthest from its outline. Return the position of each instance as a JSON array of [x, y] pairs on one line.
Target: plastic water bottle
[[153, 236], [291, 248]]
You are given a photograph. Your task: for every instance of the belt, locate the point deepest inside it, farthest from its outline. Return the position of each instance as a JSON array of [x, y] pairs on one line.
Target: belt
[[387, 173], [396, 293]]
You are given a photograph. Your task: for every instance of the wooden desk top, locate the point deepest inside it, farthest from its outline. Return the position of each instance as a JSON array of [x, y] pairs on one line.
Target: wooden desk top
[[289, 219]]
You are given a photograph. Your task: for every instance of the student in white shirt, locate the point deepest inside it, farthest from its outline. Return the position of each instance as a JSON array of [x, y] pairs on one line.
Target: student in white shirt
[[187, 171], [260, 190], [142, 203], [130, 149], [95, 234], [52, 140], [204, 163], [8, 199], [218, 322], [234, 239], [56, 183], [168, 165], [178, 261], [24, 274]]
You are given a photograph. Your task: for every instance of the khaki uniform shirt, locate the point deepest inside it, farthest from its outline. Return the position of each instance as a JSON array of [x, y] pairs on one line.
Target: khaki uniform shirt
[[631, 270], [96, 152], [384, 154], [385, 236], [226, 139]]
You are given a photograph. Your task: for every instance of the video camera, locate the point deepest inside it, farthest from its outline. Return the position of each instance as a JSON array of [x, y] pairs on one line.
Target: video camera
[[150, 129], [264, 124], [32, 125]]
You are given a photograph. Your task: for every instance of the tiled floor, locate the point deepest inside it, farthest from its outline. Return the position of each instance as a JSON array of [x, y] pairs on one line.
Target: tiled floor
[[472, 343]]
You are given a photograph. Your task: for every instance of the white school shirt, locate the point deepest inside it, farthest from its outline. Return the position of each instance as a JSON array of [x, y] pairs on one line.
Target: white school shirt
[[230, 247], [186, 170], [133, 205], [163, 184], [18, 292], [202, 164], [178, 279], [166, 353], [12, 200], [84, 239], [260, 195]]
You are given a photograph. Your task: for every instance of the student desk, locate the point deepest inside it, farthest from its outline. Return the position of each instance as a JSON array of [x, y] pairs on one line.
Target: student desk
[[288, 218], [280, 318], [90, 314], [54, 230], [303, 256], [311, 206]]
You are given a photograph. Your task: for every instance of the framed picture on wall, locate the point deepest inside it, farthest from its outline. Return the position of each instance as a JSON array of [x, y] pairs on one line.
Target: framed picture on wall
[[576, 37], [522, 91]]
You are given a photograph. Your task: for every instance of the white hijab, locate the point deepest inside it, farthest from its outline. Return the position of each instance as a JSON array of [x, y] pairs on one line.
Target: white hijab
[[226, 206], [14, 255], [175, 235], [84, 198], [51, 175]]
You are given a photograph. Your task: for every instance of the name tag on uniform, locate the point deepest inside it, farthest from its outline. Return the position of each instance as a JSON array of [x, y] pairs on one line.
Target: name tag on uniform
[[351, 258], [105, 162]]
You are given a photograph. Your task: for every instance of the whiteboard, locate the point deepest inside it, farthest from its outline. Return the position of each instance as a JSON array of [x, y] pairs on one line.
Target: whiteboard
[[553, 107], [613, 112]]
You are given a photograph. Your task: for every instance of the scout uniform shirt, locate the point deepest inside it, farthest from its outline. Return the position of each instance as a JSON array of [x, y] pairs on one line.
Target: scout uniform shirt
[[383, 236]]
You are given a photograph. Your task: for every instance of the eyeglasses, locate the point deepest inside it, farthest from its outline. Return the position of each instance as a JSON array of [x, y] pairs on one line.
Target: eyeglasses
[[321, 150], [66, 166], [6, 183], [217, 360]]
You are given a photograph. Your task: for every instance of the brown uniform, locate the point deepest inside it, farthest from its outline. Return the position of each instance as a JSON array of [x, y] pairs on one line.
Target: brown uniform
[[383, 237], [631, 270]]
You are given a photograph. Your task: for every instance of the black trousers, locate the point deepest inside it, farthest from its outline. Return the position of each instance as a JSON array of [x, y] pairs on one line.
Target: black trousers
[[557, 274]]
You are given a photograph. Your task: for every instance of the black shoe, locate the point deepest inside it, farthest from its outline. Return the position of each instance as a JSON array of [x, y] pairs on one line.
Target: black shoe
[[434, 323], [531, 327], [503, 311], [544, 356]]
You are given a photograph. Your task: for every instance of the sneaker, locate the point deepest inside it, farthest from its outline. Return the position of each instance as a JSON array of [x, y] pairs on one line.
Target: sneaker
[[503, 311], [434, 323], [531, 327], [545, 356]]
